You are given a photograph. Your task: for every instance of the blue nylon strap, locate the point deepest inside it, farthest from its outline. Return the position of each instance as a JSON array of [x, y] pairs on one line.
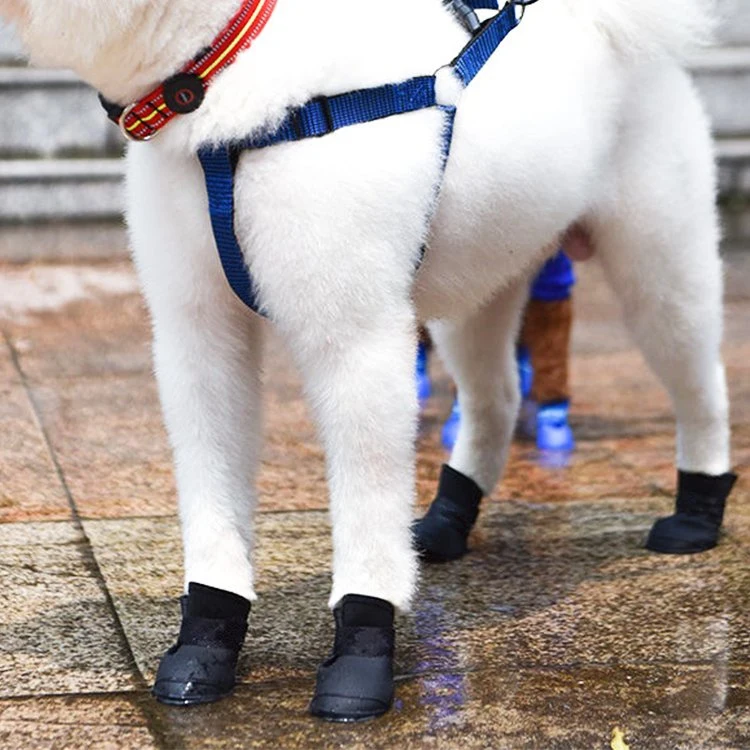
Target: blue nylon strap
[[219, 167], [326, 114], [555, 281], [479, 50]]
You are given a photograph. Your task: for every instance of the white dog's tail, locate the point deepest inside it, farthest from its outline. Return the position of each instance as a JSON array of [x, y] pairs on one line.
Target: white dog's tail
[[651, 28]]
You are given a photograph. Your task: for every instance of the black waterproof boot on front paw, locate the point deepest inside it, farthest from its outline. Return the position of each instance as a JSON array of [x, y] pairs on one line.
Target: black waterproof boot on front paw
[[201, 666], [442, 534], [699, 512], [356, 682]]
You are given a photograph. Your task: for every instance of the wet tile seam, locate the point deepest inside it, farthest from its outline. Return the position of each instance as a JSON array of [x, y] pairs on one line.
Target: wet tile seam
[[61, 380], [88, 549]]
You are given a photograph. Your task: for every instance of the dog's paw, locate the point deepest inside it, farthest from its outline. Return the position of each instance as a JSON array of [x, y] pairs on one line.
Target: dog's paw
[[696, 524], [201, 667], [356, 682], [442, 534], [191, 675]]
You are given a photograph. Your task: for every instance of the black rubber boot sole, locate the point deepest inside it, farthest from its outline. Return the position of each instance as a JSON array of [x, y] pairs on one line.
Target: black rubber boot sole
[[664, 545], [166, 693], [353, 689], [193, 675]]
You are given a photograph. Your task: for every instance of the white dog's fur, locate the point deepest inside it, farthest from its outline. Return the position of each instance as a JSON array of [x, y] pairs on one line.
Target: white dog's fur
[[583, 115]]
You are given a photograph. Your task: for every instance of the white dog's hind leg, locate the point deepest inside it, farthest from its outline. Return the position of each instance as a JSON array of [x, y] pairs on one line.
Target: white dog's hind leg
[[207, 351], [659, 248], [479, 353]]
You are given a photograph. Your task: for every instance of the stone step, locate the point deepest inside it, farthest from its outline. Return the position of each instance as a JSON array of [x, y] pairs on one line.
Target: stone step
[[57, 189], [734, 27], [734, 167], [52, 114], [44, 190], [723, 78], [11, 51]]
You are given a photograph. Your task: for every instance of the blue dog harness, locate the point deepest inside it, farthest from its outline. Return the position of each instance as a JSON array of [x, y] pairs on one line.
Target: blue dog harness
[[184, 92], [325, 115]]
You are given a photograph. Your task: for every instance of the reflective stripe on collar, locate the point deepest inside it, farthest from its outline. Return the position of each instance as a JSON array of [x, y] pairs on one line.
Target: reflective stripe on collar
[[185, 91]]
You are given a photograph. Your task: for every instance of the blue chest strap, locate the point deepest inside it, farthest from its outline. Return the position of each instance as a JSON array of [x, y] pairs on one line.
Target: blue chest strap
[[325, 115]]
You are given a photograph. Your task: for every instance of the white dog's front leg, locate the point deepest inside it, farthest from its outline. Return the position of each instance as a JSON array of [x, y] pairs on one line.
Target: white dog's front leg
[[207, 350], [333, 229], [208, 372], [363, 395]]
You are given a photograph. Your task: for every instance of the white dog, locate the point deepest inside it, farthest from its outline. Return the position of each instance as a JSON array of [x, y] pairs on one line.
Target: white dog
[[583, 117]]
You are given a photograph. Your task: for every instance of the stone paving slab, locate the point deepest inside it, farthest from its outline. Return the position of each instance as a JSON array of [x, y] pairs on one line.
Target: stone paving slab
[[75, 320], [57, 631], [657, 708], [652, 457], [108, 437], [8, 372], [63, 241], [555, 630], [616, 396], [141, 560], [82, 340], [73, 722], [548, 585], [30, 488]]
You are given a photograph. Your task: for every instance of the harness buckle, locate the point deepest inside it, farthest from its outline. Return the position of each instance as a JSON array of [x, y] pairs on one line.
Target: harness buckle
[[304, 121], [467, 15], [124, 129]]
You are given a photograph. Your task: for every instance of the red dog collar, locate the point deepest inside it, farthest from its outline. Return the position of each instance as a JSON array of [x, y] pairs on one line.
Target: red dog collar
[[185, 91]]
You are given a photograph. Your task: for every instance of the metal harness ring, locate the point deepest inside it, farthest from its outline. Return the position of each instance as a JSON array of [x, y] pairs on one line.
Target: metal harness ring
[[124, 130]]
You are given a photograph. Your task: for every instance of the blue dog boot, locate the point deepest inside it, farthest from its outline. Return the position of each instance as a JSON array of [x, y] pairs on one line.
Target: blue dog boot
[[553, 432], [525, 371], [443, 533], [201, 667], [695, 526], [356, 682], [424, 386], [449, 434]]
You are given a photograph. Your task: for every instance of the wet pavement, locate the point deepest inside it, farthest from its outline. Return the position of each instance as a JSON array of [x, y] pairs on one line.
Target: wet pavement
[[558, 631]]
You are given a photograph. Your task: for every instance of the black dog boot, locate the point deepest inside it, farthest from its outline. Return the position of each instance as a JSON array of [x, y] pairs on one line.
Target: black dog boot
[[356, 682], [441, 535], [699, 513], [201, 666]]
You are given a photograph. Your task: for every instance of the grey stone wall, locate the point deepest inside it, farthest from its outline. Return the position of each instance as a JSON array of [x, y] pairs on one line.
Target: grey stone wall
[[59, 156], [735, 25], [10, 48]]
